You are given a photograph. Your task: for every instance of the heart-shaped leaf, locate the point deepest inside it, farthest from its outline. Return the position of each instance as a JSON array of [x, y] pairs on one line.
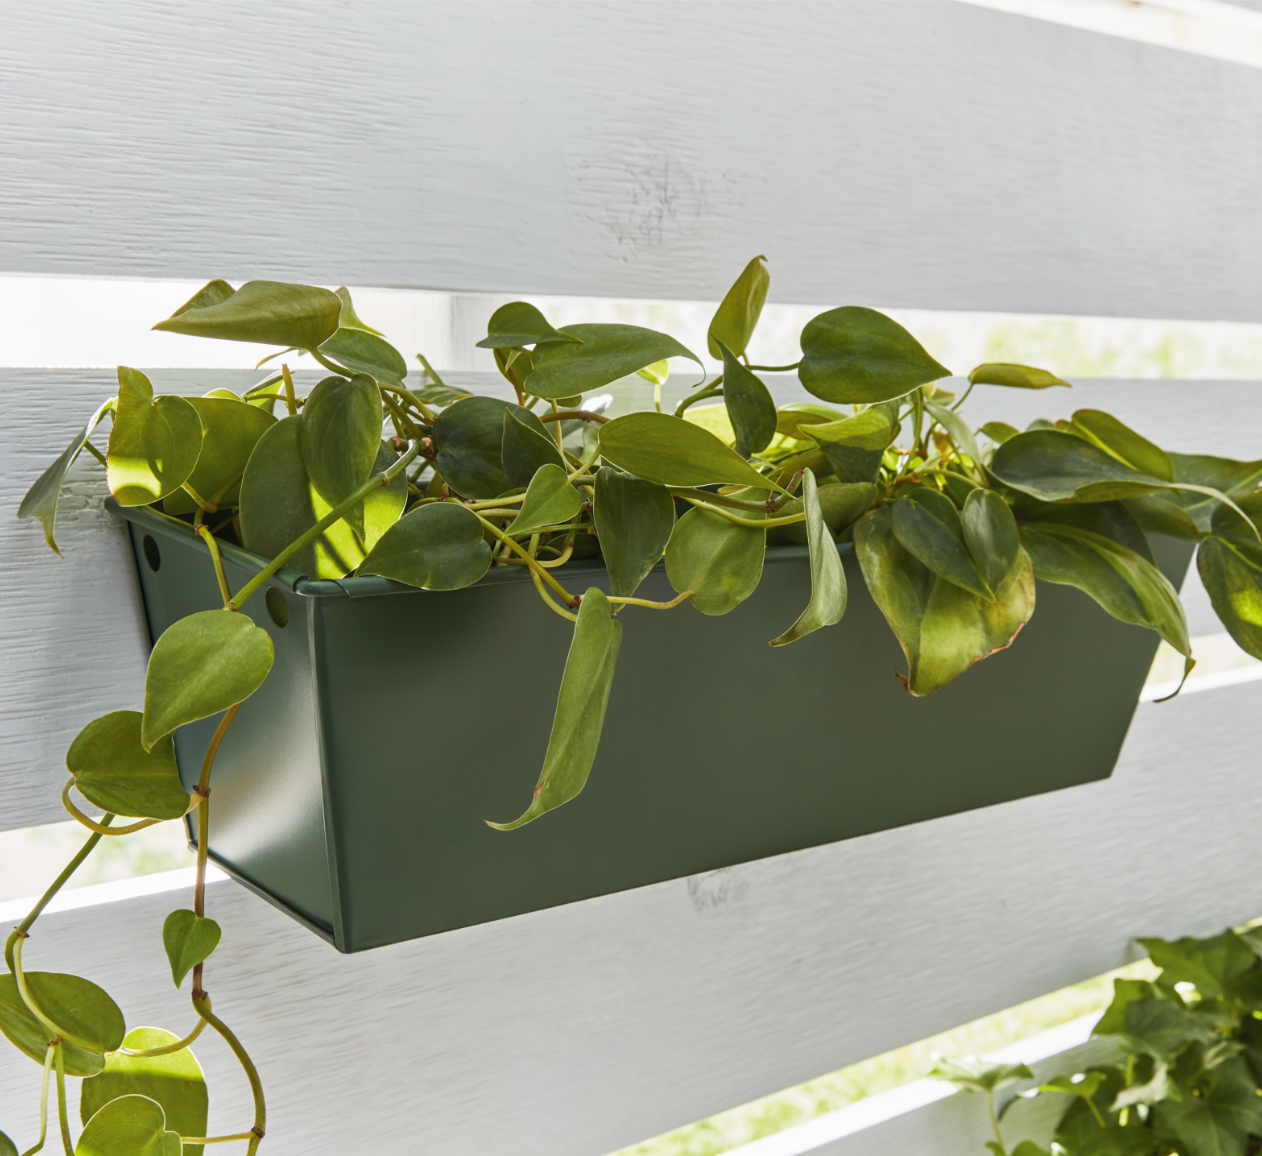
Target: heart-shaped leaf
[[634, 519], [660, 448], [41, 499], [7, 1147], [469, 438], [999, 431], [520, 323], [657, 373], [792, 419], [854, 445], [75, 1005], [341, 436], [268, 312], [154, 444], [524, 449], [384, 505], [1060, 467], [1017, 376], [737, 315], [113, 771], [580, 713], [128, 1126], [189, 939], [230, 430], [840, 503], [436, 547], [365, 352], [718, 560], [1234, 585], [201, 665], [550, 500], [854, 354], [828, 576], [174, 1081], [929, 527], [1112, 436], [602, 354], [749, 405], [348, 318], [990, 533]]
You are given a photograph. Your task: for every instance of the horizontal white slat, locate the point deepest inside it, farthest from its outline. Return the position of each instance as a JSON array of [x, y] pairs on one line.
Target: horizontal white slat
[[916, 154], [573, 1031]]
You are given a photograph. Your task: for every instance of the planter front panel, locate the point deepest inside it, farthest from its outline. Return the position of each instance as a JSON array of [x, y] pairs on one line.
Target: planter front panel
[[352, 788]]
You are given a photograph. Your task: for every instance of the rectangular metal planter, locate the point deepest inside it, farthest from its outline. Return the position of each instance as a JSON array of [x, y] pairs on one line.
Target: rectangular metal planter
[[352, 787]]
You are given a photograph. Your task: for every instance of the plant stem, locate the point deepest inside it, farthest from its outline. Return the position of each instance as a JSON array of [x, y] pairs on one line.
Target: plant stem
[[534, 566], [651, 605], [756, 523], [216, 1139], [705, 391], [19, 976], [202, 1007], [547, 598], [169, 1049], [774, 368], [717, 499], [291, 398], [204, 533], [100, 828], [207, 507], [100, 457], [43, 1102], [202, 790], [556, 429], [429, 369], [62, 1119], [994, 1120], [575, 414]]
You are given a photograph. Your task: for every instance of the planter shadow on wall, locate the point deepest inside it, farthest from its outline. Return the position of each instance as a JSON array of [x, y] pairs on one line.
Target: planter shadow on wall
[[369, 832]]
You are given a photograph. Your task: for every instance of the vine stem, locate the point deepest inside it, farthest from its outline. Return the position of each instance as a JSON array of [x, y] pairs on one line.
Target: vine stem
[[100, 828], [169, 1049], [773, 368], [62, 1119], [43, 1102], [705, 391], [575, 414], [652, 605], [54, 1030], [203, 532], [202, 1006], [994, 1120], [522, 552], [717, 499], [756, 523], [202, 790], [291, 398]]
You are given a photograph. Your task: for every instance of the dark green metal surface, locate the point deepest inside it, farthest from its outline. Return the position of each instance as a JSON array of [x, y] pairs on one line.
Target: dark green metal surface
[[350, 791]]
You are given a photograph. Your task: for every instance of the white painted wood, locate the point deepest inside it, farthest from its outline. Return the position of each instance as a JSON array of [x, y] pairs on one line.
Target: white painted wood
[[901, 154]]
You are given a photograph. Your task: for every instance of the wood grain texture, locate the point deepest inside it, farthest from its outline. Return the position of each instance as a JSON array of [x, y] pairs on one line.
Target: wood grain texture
[[914, 154]]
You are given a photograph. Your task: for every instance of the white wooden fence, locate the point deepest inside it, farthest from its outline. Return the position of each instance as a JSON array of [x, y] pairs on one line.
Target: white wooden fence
[[934, 155]]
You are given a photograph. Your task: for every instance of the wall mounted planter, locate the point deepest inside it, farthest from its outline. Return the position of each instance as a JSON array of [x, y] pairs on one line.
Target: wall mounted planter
[[370, 834]]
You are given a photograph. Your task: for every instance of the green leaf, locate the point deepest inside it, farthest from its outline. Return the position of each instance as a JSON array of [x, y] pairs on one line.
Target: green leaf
[[279, 503], [1112, 520], [854, 354], [749, 406], [718, 560], [1082, 1085], [341, 436], [602, 354], [128, 1126], [231, 428], [665, 449], [1155, 1088], [1161, 1028], [175, 1082], [550, 500], [1189, 514], [469, 438], [348, 318], [201, 665], [792, 420], [1126, 992], [113, 771], [1060, 467], [362, 352], [737, 316], [999, 431], [520, 323], [928, 527], [957, 427], [76, 1006], [1207, 963], [1017, 376], [657, 373], [41, 499], [828, 576], [1029, 1148], [436, 547], [1131, 449], [1218, 1122], [1235, 591], [634, 520], [7, 1147], [269, 312], [189, 939], [991, 535], [840, 503], [154, 444], [212, 293], [854, 445], [580, 713], [973, 1075], [384, 505], [524, 449]]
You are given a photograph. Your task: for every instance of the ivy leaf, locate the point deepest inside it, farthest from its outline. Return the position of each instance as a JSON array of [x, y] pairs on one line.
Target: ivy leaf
[[524, 449], [749, 406], [602, 354], [718, 560], [854, 354], [1084, 1085], [664, 449], [189, 939], [520, 323], [1153, 1090], [840, 503], [1131, 449], [113, 771], [469, 438], [436, 547], [974, 1075], [175, 1082], [76, 1006], [928, 526], [1018, 376], [1221, 1119], [364, 352], [1126, 992], [634, 520], [154, 444], [348, 318], [268, 312], [1162, 1028], [991, 535], [580, 713], [737, 316], [828, 576], [854, 445], [41, 499], [128, 1126], [1207, 963], [550, 501], [201, 665], [341, 435], [231, 428]]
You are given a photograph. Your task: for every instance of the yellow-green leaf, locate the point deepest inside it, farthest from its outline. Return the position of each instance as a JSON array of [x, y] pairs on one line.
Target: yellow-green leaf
[[231, 428], [189, 939], [268, 312], [520, 323], [854, 354], [128, 1126], [718, 560], [602, 354], [737, 315], [436, 547], [113, 771], [155, 442], [550, 500], [75, 1006], [828, 576], [1017, 376]]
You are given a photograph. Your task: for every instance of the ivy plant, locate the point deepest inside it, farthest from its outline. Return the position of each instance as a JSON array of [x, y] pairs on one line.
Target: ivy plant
[[376, 472]]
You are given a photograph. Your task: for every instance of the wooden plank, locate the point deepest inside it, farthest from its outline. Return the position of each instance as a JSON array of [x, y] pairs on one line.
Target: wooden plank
[[574, 1031], [916, 154]]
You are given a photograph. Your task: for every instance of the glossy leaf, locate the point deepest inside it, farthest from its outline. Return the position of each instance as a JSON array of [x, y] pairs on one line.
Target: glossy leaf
[[990, 533], [175, 1082], [1132, 449], [41, 499], [1187, 514], [1209, 963], [268, 312], [737, 316], [7, 1147], [854, 445], [1059, 467], [384, 505], [957, 427], [854, 354], [1219, 1121], [929, 527], [154, 444], [128, 1126], [279, 503], [841, 503], [1017, 376], [524, 449], [749, 406], [828, 576], [520, 323], [363, 352], [436, 547], [602, 354], [580, 713], [212, 293], [231, 429], [341, 437], [189, 939], [1108, 519], [113, 771], [550, 501], [657, 373], [1234, 586], [792, 420], [718, 560], [75, 1005], [469, 438], [634, 520], [199, 666], [999, 431], [664, 449], [348, 318]]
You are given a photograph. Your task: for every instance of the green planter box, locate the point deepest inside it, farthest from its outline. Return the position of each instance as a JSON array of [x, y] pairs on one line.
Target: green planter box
[[370, 832]]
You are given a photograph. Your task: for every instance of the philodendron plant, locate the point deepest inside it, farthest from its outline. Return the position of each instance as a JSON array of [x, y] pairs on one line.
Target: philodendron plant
[[432, 486]]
